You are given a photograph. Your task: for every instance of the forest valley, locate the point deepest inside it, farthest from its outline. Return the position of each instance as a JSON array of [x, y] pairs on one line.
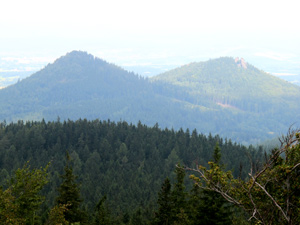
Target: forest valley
[[102, 172]]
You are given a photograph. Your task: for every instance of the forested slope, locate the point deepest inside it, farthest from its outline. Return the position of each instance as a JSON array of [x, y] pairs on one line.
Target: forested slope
[[126, 162], [218, 96], [238, 96], [226, 81]]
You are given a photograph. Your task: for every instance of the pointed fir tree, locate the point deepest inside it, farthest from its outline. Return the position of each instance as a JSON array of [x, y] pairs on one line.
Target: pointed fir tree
[[138, 218], [163, 215], [194, 206], [102, 214], [213, 207], [21, 201], [217, 154], [178, 197], [69, 195]]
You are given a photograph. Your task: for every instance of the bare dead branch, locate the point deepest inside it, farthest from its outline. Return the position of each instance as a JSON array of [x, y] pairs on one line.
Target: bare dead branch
[[273, 200], [287, 142], [298, 164]]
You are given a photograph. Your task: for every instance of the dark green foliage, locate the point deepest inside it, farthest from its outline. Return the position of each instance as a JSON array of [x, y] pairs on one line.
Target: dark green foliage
[[177, 206], [270, 195], [126, 218], [217, 153], [21, 201], [195, 206], [126, 162], [179, 197], [163, 215], [26, 187], [102, 214], [69, 195], [214, 209], [138, 218]]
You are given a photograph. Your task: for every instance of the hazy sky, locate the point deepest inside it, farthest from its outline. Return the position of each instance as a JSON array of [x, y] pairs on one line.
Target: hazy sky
[[137, 32]]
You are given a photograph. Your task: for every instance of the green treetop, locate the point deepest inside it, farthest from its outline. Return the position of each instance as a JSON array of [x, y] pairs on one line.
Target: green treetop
[[271, 194], [20, 202], [69, 195]]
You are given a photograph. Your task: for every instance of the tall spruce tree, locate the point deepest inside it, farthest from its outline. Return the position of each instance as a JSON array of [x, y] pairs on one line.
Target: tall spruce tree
[[217, 154], [163, 215], [195, 206], [69, 195], [179, 195], [271, 194], [213, 209], [102, 214], [20, 202]]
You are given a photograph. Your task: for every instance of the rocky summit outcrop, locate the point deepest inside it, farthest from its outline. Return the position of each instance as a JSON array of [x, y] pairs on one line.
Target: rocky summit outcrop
[[241, 62]]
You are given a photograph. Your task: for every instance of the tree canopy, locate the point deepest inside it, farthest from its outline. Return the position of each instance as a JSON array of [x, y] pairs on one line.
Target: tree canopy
[[270, 195]]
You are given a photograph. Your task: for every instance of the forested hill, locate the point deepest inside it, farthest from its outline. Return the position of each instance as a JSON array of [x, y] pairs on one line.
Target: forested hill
[[219, 96], [246, 98], [125, 162], [75, 85], [234, 84]]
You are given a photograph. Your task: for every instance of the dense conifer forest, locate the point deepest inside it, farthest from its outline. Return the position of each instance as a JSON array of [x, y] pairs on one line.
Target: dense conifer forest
[[118, 172]]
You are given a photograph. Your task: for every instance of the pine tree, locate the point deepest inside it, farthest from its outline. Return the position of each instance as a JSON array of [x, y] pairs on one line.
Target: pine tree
[[178, 192], [20, 202], [178, 196], [56, 215], [138, 218], [69, 195], [102, 215], [194, 205], [217, 154], [163, 215], [212, 208]]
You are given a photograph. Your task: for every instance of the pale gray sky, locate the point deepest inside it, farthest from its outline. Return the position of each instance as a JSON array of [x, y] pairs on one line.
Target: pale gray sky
[[137, 32]]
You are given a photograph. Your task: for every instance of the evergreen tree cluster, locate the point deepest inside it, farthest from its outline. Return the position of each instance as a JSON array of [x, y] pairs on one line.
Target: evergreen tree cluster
[[126, 163], [178, 206]]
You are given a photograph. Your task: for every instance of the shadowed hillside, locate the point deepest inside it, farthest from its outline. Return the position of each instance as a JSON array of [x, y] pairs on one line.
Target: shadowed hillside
[[221, 96]]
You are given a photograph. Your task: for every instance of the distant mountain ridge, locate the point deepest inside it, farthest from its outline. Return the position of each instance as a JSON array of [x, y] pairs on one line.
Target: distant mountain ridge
[[220, 96], [228, 81], [223, 68]]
